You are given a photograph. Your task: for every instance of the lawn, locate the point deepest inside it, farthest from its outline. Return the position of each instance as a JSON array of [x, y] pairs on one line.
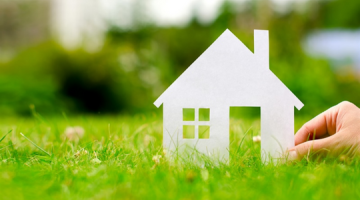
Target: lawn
[[121, 157]]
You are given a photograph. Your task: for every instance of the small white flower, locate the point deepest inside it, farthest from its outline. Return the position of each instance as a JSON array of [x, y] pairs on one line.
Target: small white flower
[[77, 154], [80, 153], [156, 159], [74, 133], [257, 138], [95, 161]]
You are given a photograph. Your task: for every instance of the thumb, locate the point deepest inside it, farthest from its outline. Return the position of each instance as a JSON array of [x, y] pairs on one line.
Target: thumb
[[320, 146]]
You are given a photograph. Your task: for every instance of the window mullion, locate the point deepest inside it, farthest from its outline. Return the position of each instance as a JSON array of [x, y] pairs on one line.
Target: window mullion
[[203, 123], [196, 131], [196, 114]]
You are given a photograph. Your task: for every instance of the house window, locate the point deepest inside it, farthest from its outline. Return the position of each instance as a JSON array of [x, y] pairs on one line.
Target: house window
[[188, 114], [204, 114], [189, 131], [196, 123], [204, 132]]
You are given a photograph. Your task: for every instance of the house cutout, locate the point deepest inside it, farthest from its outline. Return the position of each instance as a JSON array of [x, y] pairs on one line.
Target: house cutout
[[228, 75]]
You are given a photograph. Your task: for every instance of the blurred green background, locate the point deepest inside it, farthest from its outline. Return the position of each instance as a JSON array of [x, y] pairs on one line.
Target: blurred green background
[[121, 62]]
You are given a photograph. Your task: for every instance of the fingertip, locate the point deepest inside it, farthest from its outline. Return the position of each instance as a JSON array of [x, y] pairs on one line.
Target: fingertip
[[293, 155], [301, 136]]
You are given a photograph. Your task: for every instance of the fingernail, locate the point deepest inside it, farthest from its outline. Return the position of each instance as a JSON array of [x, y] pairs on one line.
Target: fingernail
[[293, 155]]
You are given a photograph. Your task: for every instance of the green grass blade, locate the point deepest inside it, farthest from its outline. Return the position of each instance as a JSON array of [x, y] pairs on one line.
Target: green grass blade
[[5, 136], [5, 147], [35, 144]]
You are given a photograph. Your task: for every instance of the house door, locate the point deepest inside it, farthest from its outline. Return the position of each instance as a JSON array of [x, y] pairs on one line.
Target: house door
[[244, 125]]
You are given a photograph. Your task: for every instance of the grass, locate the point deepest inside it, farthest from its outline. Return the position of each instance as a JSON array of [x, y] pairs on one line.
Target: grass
[[121, 157]]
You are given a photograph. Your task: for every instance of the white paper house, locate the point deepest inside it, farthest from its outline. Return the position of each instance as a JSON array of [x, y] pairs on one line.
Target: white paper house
[[228, 75]]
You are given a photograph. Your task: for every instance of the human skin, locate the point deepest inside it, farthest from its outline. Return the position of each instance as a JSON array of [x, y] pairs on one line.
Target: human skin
[[332, 133]]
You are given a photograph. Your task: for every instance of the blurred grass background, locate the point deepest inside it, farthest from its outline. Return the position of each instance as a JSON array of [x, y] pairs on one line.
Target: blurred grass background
[[124, 68]]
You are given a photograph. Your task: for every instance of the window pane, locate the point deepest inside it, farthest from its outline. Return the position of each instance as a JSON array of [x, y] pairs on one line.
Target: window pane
[[188, 114], [204, 132], [188, 132], [204, 114]]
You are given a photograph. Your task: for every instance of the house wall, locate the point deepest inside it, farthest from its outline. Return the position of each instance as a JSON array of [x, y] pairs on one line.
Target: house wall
[[172, 127], [277, 127], [218, 143]]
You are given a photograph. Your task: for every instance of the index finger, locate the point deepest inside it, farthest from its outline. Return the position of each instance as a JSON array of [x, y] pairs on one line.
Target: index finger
[[318, 127]]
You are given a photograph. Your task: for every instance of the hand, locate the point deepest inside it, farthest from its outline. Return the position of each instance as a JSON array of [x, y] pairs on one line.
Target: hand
[[333, 132]]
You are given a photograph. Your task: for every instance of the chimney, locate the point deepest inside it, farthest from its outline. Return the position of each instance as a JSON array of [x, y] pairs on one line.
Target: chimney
[[261, 47]]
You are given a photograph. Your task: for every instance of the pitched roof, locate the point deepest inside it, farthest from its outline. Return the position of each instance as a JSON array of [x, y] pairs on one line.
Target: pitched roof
[[228, 72]]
